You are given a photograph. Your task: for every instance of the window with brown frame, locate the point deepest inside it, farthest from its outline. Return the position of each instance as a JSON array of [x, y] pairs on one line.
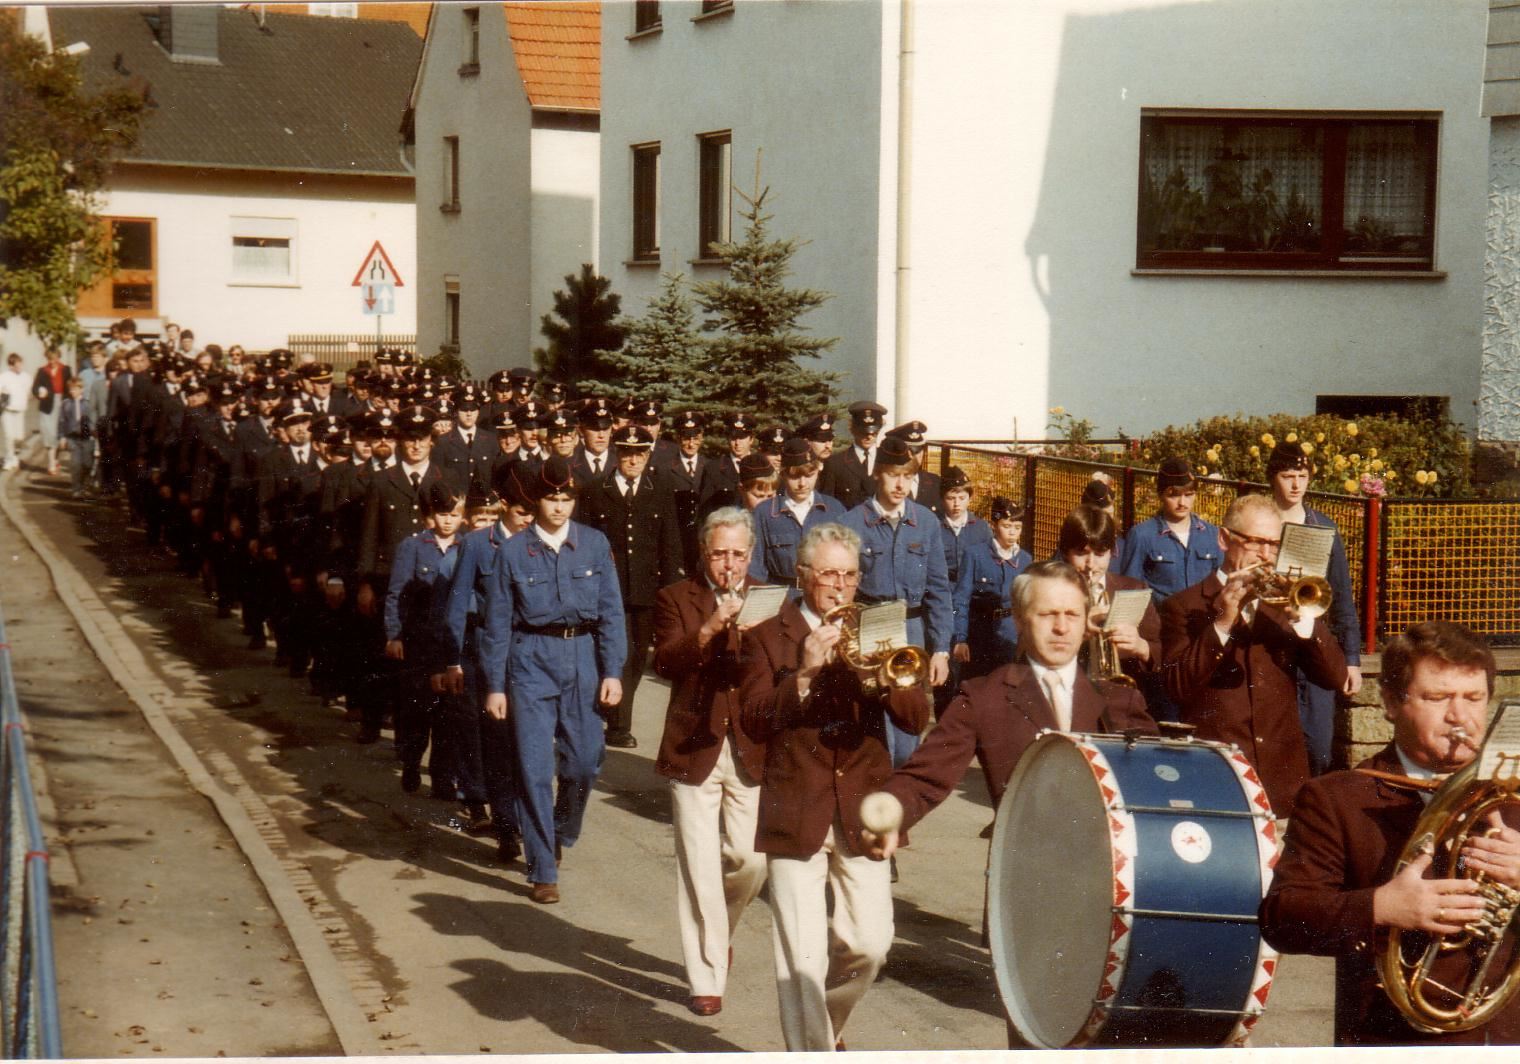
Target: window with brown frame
[[132, 283], [709, 6], [450, 175], [646, 15], [1247, 191], [646, 202], [714, 195]]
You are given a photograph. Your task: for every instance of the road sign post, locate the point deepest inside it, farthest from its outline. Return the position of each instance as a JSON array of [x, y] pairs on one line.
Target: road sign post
[[377, 281]]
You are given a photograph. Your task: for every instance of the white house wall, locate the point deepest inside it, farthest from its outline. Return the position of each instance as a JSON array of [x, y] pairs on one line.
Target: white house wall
[[1026, 128], [566, 197], [336, 221], [800, 81], [486, 245]]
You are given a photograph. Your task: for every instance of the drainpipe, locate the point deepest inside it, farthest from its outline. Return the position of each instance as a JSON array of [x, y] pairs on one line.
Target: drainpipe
[[904, 206]]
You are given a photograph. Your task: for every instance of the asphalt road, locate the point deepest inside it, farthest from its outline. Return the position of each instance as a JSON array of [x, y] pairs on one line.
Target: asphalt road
[[383, 926]]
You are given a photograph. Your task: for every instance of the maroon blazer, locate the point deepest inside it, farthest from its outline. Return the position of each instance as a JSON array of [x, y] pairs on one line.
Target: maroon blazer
[[1246, 692], [1343, 843], [995, 717], [824, 754], [1149, 627], [704, 691]]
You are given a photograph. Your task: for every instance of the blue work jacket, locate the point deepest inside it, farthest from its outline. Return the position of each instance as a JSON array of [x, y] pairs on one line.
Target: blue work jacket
[[975, 531], [983, 611], [416, 597], [906, 563], [477, 561], [1342, 620], [777, 535], [1153, 554]]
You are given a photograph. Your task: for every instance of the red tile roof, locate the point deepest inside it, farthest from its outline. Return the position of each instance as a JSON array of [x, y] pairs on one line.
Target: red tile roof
[[559, 53]]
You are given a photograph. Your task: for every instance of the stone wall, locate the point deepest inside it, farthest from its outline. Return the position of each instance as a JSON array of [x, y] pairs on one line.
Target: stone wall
[[1361, 729]]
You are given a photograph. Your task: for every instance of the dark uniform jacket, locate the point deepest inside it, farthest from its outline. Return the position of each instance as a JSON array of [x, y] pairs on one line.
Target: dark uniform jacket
[[845, 478], [995, 718], [643, 534], [1347, 832], [824, 754], [393, 511], [290, 496], [580, 465], [469, 463], [1246, 692], [704, 692]]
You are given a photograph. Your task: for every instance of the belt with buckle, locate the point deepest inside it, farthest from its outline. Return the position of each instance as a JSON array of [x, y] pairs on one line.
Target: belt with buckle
[[558, 631]]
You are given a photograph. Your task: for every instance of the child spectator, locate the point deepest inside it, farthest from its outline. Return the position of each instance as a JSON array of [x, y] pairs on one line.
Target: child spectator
[[76, 427]]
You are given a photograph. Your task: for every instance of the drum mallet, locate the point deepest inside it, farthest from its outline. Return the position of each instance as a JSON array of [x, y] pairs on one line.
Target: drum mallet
[[881, 813]]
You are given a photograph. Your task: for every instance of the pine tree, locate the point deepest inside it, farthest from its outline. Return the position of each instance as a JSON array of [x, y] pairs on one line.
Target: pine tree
[[753, 362], [662, 356], [583, 327]]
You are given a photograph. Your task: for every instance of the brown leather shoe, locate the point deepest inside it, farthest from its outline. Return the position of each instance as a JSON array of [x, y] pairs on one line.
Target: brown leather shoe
[[705, 1005], [839, 1046], [545, 893]]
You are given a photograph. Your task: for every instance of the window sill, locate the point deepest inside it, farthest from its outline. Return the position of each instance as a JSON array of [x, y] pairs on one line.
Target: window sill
[[1360, 275], [448, 208], [469, 70], [641, 262], [707, 262], [721, 12], [263, 284], [645, 34]]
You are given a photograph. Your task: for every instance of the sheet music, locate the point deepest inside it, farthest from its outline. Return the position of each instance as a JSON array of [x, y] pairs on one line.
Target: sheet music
[[1126, 607], [761, 603], [883, 625], [1305, 550], [1501, 747]]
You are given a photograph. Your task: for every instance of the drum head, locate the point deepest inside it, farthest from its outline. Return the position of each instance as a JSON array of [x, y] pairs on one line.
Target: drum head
[[1050, 893]]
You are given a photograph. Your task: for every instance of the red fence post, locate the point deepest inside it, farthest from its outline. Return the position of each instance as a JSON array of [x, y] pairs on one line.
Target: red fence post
[[1371, 546]]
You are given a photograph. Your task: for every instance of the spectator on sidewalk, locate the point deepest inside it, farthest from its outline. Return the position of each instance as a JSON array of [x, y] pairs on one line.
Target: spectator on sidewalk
[[76, 427], [50, 386], [13, 386]]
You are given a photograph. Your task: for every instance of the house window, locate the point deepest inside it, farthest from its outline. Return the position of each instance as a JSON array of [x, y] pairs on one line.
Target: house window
[[132, 283], [263, 251], [334, 10], [646, 201], [714, 191], [646, 15], [709, 6], [450, 174], [471, 61], [451, 312], [1227, 190]]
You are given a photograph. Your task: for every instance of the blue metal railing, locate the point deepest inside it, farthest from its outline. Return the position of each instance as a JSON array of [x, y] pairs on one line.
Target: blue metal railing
[[29, 995]]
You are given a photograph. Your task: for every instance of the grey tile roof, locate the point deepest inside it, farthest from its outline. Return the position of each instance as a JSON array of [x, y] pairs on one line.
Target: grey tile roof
[[299, 93]]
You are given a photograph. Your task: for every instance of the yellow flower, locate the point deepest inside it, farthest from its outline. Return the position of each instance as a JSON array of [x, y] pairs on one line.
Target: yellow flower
[[1203, 471], [1267, 440], [1308, 448], [1350, 486], [1351, 428], [1319, 437], [1356, 458], [1255, 451], [1421, 477], [1372, 452], [1377, 465], [1340, 461], [1434, 476], [1390, 474], [1291, 437], [1058, 410], [1211, 454]]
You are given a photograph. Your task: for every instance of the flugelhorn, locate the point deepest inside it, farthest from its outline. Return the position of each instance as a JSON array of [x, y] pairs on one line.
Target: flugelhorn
[[881, 669], [1489, 946]]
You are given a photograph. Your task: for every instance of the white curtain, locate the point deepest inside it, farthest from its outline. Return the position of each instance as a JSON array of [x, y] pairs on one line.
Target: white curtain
[[1386, 179]]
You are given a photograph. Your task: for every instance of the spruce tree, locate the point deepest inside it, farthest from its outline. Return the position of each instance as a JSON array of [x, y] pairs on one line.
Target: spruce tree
[[582, 328], [662, 354], [754, 362]]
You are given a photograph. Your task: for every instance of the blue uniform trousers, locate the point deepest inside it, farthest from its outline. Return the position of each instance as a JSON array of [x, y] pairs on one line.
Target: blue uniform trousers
[[554, 685]]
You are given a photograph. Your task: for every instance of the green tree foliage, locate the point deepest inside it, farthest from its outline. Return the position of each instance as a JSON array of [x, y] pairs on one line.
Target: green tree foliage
[[57, 145], [754, 361], [663, 356], [582, 328]]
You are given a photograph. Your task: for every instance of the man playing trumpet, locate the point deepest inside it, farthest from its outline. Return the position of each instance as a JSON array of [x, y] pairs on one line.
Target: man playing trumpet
[[1336, 892], [1229, 658], [826, 749]]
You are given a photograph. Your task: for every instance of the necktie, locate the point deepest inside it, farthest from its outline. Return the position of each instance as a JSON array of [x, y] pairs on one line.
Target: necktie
[[630, 488], [1055, 691], [469, 438], [596, 465], [300, 456], [416, 481], [691, 467]]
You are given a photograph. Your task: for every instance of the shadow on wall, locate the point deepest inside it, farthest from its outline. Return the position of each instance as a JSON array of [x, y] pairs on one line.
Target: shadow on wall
[[1139, 353]]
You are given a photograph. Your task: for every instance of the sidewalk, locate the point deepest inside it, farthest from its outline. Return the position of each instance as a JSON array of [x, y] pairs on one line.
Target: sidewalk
[[167, 944]]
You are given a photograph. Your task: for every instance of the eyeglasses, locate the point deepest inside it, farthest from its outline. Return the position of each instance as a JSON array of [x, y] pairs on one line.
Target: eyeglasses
[[727, 555], [844, 577], [1254, 541]]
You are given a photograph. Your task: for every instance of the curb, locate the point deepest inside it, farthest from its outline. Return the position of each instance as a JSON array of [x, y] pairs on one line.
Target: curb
[[127, 666]]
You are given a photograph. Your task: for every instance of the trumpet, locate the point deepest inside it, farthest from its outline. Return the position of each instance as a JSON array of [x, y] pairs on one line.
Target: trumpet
[[1102, 656], [1460, 808], [1300, 595], [882, 669]]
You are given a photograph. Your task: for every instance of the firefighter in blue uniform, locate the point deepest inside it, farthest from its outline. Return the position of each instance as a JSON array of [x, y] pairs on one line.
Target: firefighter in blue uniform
[[1176, 548], [986, 635], [781, 520], [902, 556], [554, 649]]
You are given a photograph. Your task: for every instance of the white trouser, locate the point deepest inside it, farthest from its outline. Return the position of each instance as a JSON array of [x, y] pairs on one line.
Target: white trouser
[[14, 424], [824, 966], [718, 872]]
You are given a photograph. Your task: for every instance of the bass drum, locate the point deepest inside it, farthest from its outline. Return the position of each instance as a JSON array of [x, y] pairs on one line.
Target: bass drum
[[1124, 880]]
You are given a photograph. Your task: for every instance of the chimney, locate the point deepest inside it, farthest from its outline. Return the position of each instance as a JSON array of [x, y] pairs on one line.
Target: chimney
[[188, 32]]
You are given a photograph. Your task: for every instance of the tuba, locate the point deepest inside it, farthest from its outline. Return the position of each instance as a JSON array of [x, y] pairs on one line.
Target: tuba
[[1490, 946], [1102, 656], [882, 669]]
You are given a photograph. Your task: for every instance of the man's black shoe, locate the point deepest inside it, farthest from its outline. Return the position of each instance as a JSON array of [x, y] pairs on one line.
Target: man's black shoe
[[623, 740], [411, 779]]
